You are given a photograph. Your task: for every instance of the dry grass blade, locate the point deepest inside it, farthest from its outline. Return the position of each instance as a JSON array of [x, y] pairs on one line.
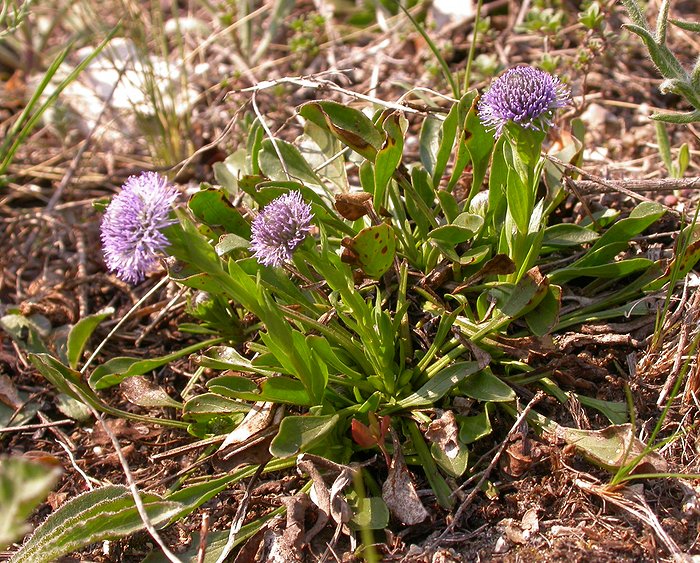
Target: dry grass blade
[[631, 500]]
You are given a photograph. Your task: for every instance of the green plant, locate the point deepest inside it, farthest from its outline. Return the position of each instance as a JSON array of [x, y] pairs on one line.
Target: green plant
[[309, 33], [368, 314], [592, 18], [676, 168], [12, 14], [677, 79]]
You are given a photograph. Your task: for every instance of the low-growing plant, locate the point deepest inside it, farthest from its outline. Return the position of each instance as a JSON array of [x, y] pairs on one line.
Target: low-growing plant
[[376, 304], [677, 78]]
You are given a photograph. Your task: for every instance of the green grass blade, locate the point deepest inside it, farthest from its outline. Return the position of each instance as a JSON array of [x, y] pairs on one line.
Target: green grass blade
[[29, 117]]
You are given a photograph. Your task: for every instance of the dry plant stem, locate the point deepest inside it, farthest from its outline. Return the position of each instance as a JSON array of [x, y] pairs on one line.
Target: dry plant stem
[[35, 426], [112, 332], [602, 185], [56, 431], [240, 514], [203, 533], [467, 501], [678, 358], [88, 480], [315, 83], [187, 448], [636, 506], [270, 136], [81, 290], [159, 317], [639, 185]]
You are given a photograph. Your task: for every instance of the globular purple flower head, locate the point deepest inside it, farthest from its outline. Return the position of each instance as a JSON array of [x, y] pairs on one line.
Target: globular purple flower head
[[524, 95], [280, 228], [132, 226]]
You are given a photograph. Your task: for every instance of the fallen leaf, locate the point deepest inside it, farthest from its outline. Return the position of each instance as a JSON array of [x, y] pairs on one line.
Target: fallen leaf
[[613, 447], [144, 393], [257, 420], [8, 393], [398, 491], [444, 433], [132, 431], [352, 206]]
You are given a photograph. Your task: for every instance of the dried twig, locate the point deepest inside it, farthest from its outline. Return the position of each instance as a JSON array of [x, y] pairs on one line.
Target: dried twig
[[467, 501], [638, 185], [240, 514], [24, 427]]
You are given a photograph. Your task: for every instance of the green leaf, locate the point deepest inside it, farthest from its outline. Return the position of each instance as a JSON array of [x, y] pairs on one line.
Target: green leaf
[[687, 25], [292, 352], [227, 357], [102, 514], [27, 332], [70, 382], [212, 404], [612, 447], [212, 207], [388, 157], [448, 132], [81, 333], [677, 118], [320, 149], [526, 294], [272, 389], [449, 205], [641, 217], [23, 485], [454, 466], [543, 318], [292, 167], [72, 408], [352, 127], [437, 387], [683, 159], [450, 235], [665, 62], [117, 369], [615, 411], [374, 248], [229, 243], [480, 143], [473, 428], [299, 433], [568, 234], [443, 492], [331, 355], [606, 271], [368, 513], [485, 386], [464, 227], [429, 143], [519, 198]]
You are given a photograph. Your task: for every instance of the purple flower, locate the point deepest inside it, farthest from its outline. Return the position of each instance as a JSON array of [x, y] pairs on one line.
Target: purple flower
[[524, 95], [132, 226], [280, 228]]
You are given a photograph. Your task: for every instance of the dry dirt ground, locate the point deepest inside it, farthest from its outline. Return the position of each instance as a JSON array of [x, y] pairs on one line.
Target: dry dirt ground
[[547, 507]]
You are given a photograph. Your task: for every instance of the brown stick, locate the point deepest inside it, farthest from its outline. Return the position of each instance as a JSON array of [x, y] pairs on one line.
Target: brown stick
[[636, 185]]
